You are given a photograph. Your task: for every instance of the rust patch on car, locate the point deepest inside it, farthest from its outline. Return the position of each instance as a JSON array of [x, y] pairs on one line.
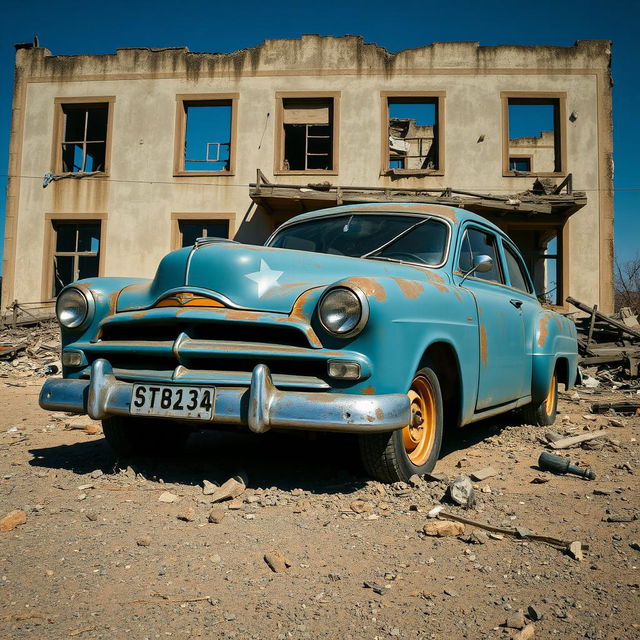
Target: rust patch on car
[[370, 287], [113, 301], [369, 391], [543, 329], [437, 281], [380, 413], [483, 346], [410, 288]]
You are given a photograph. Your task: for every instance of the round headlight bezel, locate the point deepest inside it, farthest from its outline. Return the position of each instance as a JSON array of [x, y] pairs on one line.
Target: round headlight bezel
[[364, 311], [81, 321]]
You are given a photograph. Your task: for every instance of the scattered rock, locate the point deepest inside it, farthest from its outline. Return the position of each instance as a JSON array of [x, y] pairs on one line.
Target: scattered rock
[[375, 587], [209, 488], [483, 474], [12, 520], [167, 496], [527, 633], [516, 620], [616, 423], [232, 488], [435, 477], [234, 505], [361, 506], [461, 491], [415, 480], [91, 515], [442, 528], [143, 541], [575, 550], [534, 613], [188, 515], [277, 561], [216, 515], [229, 616]]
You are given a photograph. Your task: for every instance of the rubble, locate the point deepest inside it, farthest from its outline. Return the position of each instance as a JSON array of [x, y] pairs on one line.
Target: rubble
[[232, 488], [442, 528], [276, 561], [27, 351], [12, 520]]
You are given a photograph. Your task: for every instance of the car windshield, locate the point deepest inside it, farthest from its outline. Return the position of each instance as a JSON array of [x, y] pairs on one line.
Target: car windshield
[[378, 236]]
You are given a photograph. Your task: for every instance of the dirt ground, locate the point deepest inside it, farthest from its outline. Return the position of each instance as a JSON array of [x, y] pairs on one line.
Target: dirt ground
[[100, 556]]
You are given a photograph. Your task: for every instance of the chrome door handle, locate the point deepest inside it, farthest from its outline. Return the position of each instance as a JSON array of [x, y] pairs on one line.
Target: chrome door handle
[[516, 303]]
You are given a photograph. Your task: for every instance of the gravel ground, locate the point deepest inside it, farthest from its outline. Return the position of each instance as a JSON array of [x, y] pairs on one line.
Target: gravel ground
[[102, 556]]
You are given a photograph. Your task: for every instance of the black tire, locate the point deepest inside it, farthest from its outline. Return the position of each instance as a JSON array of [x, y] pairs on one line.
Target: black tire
[[132, 437], [543, 414], [385, 456]]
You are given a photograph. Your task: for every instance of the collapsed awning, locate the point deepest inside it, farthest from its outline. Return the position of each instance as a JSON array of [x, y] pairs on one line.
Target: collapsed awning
[[291, 199]]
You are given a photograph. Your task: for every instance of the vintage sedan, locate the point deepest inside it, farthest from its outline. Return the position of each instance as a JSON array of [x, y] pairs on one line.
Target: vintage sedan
[[390, 321]]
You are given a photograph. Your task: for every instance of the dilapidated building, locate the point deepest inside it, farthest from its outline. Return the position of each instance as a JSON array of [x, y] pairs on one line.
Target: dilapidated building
[[117, 159]]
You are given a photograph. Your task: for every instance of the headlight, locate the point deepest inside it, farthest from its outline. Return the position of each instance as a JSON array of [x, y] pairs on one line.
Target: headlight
[[74, 308], [343, 312]]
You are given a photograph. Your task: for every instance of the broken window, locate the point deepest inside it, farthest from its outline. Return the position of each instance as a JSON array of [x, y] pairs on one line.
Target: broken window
[[191, 230], [84, 137], [207, 135], [534, 131], [76, 252], [413, 131], [522, 164], [308, 134], [541, 250]]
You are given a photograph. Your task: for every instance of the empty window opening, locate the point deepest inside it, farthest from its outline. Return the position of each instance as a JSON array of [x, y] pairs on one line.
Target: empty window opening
[[207, 137], [76, 253], [191, 230], [523, 164], [534, 130], [84, 139], [308, 134], [413, 133], [541, 250]]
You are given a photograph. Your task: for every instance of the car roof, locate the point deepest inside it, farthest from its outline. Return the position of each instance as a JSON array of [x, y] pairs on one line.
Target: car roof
[[454, 214]]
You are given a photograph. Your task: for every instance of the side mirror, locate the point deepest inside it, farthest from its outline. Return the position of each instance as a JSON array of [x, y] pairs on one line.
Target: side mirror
[[481, 264]]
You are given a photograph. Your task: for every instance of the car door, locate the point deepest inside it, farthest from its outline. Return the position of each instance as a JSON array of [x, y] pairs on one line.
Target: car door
[[502, 376]]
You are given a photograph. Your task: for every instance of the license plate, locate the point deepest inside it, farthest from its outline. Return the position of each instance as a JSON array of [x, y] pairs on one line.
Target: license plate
[[172, 401]]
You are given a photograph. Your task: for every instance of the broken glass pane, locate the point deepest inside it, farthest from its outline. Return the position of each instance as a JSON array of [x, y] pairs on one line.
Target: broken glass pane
[[88, 237], [65, 238], [62, 272], [87, 267], [413, 133]]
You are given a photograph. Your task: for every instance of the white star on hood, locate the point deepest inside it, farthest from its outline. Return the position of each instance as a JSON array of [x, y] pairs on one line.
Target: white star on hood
[[265, 278]]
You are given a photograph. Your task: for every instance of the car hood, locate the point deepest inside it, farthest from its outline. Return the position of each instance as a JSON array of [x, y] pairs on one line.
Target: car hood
[[255, 277]]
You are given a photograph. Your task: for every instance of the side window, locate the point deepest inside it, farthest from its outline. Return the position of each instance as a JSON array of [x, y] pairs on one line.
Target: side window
[[516, 270], [479, 243]]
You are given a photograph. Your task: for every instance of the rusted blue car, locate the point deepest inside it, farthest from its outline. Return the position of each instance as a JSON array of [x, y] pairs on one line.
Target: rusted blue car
[[390, 321]]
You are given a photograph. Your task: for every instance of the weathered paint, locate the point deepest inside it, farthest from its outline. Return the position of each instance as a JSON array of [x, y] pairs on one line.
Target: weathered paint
[[543, 329], [410, 288], [484, 352]]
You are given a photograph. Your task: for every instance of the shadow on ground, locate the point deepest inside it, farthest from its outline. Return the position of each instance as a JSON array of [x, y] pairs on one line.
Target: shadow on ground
[[320, 463]]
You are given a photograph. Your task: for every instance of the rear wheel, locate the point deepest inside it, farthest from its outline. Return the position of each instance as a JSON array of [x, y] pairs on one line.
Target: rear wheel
[[395, 456], [131, 437], [543, 413]]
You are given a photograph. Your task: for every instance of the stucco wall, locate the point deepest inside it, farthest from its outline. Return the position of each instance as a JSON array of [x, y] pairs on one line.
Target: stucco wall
[[141, 192]]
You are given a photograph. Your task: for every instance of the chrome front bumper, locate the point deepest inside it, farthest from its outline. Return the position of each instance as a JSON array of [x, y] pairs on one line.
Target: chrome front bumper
[[260, 407]]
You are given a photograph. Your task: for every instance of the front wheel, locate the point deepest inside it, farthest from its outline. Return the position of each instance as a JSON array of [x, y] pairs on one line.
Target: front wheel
[[132, 437], [543, 413], [396, 456]]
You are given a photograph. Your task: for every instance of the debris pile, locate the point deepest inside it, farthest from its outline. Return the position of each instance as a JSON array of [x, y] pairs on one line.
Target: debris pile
[[28, 351], [609, 346]]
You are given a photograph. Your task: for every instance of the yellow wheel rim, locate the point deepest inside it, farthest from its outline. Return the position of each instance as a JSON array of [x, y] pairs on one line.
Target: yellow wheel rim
[[551, 396], [418, 436]]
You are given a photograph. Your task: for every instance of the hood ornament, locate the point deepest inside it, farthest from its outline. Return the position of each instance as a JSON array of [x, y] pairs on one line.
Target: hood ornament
[[188, 299]]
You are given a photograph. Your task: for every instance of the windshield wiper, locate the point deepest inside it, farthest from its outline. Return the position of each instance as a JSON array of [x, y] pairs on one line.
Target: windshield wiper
[[402, 234]]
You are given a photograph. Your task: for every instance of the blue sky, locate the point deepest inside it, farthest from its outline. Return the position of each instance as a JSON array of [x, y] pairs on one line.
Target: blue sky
[[215, 26]]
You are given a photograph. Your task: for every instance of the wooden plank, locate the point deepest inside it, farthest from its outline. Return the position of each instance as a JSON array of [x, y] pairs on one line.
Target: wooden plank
[[566, 443], [601, 316]]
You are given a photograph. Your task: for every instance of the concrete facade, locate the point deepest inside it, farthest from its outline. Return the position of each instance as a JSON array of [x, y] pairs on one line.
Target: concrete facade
[[141, 196]]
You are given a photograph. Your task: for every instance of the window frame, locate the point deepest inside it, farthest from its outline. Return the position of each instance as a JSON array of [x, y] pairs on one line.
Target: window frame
[[498, 248], [439, 97], [180, 216], [58, 133], [278, 146], [507, 245], [522, 156], [51, 219], [207, 99], [560, 136]]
